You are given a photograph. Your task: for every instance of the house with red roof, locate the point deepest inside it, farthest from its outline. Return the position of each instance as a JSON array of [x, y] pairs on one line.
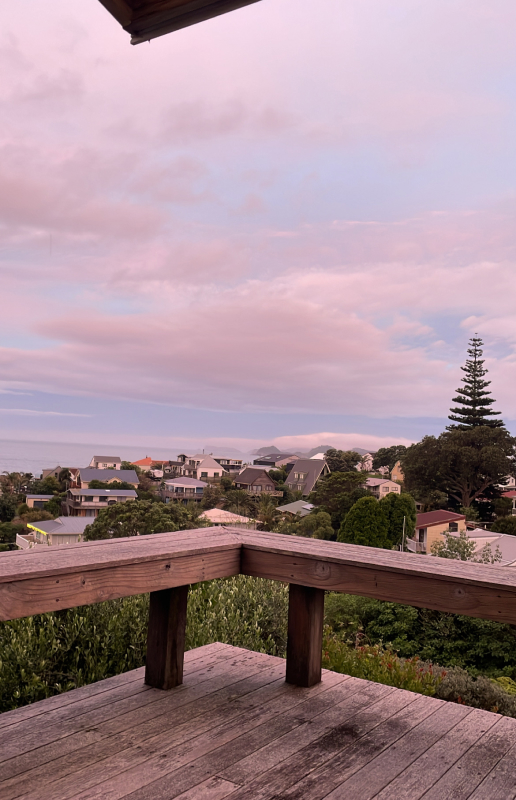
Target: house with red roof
[[430, 527]]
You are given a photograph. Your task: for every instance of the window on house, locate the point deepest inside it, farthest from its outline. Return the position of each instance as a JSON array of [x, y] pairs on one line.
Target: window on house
[[88, 499], [421, 534], [215, 474], [204, 474], [454, 527]]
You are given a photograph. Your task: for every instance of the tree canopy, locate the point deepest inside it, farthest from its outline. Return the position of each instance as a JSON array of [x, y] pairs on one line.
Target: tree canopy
[[465, 464], [461, 548], [474, 400], [141, 517], [342, 460], [388, 456], [366, 524], [396, 507], [504, 525]]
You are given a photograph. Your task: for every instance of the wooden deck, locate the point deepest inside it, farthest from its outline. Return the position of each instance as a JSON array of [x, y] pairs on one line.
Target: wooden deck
[[235, 729]]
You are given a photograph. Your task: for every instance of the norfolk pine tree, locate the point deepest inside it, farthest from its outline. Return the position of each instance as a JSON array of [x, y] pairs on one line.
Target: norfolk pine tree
[[474, 409]]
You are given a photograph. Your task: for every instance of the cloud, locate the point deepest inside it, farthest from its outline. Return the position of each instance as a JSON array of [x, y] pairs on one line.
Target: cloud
[[321, 230], [29, 412]]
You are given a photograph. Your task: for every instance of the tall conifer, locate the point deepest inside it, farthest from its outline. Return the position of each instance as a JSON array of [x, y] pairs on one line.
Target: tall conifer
[[474, 400]]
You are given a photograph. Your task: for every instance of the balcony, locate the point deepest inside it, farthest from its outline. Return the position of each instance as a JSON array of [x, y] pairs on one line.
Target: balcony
[[244, 725], [415, 547]]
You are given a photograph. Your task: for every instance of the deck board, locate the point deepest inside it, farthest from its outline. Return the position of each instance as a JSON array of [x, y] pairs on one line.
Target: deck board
[[236, 730]]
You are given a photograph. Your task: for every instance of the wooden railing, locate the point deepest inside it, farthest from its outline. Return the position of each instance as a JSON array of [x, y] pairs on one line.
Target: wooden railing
[[36, 581]]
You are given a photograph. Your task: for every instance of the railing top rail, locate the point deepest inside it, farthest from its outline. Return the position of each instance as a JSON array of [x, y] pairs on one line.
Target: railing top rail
[[34, 581], [111, 553], [378, 559]]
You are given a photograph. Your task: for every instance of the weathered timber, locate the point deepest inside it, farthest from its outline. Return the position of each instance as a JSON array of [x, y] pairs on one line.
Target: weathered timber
[[166, 638], [147, 19], [305, 629], [66, 589], [424, 588], [247, 736]]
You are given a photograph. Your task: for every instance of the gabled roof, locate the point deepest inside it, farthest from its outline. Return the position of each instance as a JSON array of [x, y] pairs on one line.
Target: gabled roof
[[300, 507], [61, 525], [221, 516], [103, 492], [273, 458], [313, 469], [209, 463], [91, 474], [378, 481], [147, 19], [429, 518], [185, 482], [250, 474]]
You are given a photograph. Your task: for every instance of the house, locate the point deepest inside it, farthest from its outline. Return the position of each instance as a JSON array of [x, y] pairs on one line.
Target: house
[[430, 527], [380, 487], [37, 500], [276, 460], [86, 475], [299, 508], [88, 502], [218, 516], [201, 466], [255, 481], [183, 490], [505, 543], [148, 464], [509, 485], [511, 495], [229, 464], [53, 472], [366, 462], [105, 462], [397, 472], [305, 473], [63, 530]]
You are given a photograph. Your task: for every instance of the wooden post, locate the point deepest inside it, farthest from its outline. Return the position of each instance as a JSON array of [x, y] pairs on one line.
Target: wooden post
[[305, 628], [166, 638]]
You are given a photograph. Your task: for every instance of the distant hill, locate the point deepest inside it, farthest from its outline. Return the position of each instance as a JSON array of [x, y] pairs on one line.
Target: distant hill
[[265, 451]]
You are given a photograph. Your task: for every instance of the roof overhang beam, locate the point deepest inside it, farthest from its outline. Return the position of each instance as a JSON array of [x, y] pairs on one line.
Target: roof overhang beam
[[148, 19]]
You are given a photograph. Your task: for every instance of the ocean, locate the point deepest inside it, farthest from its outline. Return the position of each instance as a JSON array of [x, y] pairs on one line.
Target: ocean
[[35, 456]]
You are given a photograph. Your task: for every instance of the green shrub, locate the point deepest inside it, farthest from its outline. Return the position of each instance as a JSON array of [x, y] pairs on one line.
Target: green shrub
[[51, 653], [458, 686], [478, 645], [379, 664]]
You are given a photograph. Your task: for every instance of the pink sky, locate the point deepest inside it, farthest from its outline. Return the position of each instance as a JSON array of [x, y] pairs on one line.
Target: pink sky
[[277, 212]]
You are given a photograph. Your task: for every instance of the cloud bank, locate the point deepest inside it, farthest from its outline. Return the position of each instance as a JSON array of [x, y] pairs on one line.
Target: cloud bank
[[191, 224]]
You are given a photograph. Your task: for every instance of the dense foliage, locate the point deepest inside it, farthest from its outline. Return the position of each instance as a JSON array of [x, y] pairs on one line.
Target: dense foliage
[[50, 653], [342, 460], [140, 517], [394, 644], [462, 464], [388, 456]]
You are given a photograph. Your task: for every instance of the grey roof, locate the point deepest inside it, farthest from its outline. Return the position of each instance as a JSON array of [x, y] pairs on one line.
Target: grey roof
[[63, 524], [250, 474], [39, 496], [272, 458], [300, 507], [185, 482], [104, 492], [503, 541], [114, 459], [313, 468], [91, 474], [378, 481]]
